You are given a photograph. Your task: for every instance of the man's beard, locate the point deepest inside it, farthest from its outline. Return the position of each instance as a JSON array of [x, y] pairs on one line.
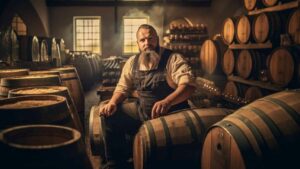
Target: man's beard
[[149, 58]]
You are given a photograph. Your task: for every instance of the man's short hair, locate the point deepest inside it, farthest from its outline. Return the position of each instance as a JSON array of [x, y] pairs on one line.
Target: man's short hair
[[147, 26]]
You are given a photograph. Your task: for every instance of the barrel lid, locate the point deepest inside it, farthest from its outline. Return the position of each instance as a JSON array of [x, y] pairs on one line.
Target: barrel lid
[[228, 30], [13, 136], [38, 90], [31, 80]]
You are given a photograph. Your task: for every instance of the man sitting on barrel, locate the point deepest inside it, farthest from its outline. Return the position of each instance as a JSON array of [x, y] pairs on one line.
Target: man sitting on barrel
[[163, 81]]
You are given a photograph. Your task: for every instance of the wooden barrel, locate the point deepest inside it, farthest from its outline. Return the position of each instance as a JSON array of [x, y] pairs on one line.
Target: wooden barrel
[[283, 66], [62, 52], [211, 56], [293, 26], [95, 131], [228, 31], [44, 72], [228, 61], [84, 69], [174, 138], [43, 109], [252, 93], [29, 48], [55, 53], [252, 4], [266, 26], [13, 72], [233, 90], [70, 79], [243, 29], [269, 3], [51, 90], [44, 51], [9, 46], [42, 146], [263, 134], [95, 127], [249, 63], [27, 81]]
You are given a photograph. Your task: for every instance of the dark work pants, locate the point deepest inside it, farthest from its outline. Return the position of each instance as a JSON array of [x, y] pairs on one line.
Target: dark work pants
[[118, 131]]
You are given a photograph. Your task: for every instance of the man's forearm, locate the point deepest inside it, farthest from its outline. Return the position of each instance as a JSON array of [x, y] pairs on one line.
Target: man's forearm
[[117, 98], [181, 93]]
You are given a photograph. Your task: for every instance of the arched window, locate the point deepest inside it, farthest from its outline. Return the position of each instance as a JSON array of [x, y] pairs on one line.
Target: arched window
[[18, 25]]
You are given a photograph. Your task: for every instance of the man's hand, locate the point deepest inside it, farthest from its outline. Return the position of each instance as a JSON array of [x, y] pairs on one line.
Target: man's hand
[[108, 109], [160, 108]]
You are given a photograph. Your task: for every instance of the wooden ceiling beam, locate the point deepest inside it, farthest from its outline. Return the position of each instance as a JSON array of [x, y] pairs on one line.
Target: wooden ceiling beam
[[126, 3]]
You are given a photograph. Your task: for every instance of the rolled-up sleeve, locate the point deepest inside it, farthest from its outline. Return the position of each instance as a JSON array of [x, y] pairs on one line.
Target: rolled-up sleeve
[[180, 71], [125, 84]]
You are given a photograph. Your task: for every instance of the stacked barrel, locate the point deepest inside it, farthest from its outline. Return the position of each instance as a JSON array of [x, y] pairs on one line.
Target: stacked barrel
[[187, 40], [260, 46], [88, 66], [40, 118], [112, 68]]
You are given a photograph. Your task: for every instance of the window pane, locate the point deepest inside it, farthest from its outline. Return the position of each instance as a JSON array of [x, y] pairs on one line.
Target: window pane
[[130, 27], [88, 34], [18, 25]]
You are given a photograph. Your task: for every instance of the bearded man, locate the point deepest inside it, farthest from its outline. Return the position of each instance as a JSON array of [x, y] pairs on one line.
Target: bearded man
[[163, 81]]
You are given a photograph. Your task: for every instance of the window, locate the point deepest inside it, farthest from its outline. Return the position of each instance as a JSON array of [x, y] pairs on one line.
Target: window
[[87, 34], [130, 27], [18, 25]]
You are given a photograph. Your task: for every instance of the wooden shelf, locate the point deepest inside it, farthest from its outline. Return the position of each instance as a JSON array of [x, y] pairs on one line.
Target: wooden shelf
[[251, 46], [279, 7], [256, 83]]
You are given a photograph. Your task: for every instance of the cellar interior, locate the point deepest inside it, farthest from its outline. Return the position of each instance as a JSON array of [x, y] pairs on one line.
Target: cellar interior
[[73, 93]]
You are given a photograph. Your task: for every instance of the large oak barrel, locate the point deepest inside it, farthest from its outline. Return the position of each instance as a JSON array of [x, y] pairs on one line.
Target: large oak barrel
[[27, 81], [70, 79], [44, 72], [252, 93], [266, 26], [95, 131], [243, 29], [228, 31], [263, 134], [211, 56], [174, 138], [283, 66], [13, 72], [42, 146], [234, 90], [43, 109], [95, 127], [252, 4], [228, 61], [293, 26], [9, 46], [249, 63], [51, 90], [55, 53], [44, 51], [84, 69], [269, 3], [62, 52], [29, 48]]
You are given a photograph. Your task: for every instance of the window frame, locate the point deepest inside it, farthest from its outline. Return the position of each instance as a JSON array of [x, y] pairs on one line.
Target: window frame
[[123, 26], [85, 18], [19, 22]]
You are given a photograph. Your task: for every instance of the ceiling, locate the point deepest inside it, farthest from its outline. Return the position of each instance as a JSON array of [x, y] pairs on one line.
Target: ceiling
[[126, 2]]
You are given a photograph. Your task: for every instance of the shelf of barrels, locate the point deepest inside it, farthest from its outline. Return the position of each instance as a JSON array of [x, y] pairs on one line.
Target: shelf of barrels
[[187, 40], [253, 52], [42, 103], [257, 57]]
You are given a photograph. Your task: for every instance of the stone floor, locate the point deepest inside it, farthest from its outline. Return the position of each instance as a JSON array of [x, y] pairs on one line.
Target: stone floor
[[91, 99]]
